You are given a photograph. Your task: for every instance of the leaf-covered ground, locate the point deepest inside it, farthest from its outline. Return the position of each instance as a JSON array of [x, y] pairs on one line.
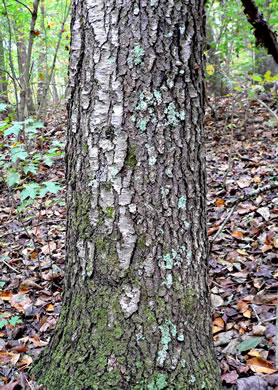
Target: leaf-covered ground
[[242, 146]]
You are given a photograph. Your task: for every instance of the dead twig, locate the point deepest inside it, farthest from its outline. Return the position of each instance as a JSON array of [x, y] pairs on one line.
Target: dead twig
[[235, 203], [8, 265], [38, 224], [268, 108]]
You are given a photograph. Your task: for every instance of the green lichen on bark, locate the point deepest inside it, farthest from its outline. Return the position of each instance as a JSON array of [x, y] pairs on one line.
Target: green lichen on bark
[[189, 300], [80, 215], [131, 160]]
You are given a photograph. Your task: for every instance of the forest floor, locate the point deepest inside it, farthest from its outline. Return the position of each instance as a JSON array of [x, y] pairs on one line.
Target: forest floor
[[242, 156]]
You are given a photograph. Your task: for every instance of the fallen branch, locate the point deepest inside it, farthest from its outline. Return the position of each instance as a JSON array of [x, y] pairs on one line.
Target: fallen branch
[[269, 109], [33, 226], [235, 203]]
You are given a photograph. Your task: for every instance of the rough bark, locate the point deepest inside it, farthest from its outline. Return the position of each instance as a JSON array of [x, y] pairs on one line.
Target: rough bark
[[263, 33], [136, 308]]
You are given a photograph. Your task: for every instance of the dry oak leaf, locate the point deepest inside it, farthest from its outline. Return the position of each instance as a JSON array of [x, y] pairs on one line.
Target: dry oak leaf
[[48, 248], [242, 306], [30, 283], [237, 234], [258, 364]]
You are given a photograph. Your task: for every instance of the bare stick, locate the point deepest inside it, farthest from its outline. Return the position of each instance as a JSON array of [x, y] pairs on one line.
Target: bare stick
[[235, 204], [266, 106], [8, 265], [38, 224]]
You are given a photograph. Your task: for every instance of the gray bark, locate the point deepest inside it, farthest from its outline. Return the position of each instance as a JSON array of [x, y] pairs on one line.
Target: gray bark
[[136, 309]]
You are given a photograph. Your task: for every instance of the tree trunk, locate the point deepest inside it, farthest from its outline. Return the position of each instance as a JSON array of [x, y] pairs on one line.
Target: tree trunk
[[42, 61], [262, 31], [136, 308], [21, 60], [3, 76]]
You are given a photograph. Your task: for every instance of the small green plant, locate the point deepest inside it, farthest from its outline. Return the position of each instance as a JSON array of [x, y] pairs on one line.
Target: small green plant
[[10, 321], [20, 162]]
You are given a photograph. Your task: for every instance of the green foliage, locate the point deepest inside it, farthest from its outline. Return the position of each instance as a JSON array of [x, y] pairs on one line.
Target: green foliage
[[12, 321], [20, 165], [233, 56], [46, 35]]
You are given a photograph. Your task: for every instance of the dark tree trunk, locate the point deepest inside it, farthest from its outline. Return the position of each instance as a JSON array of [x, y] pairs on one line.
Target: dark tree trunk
[[263, 33], [136, 308], [42, 62]]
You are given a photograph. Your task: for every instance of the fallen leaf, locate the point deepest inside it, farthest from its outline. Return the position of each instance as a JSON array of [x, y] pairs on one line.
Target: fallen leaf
[[264, 212], [266, 248], [216, 300], [20, 302], [30, 283], [247, 314], [26, 361], [20, 348], [258, 364], [6, 357], [237, 234], [223, 338], [37, 342], [244, 182], [249, 344], [48, 248], [49, 307], [242, 252], [230, 377], [258, 330], [15, 359], [216, 329], [254, 353], [6, 295], [219, 322], [251, 383], [242, 306]]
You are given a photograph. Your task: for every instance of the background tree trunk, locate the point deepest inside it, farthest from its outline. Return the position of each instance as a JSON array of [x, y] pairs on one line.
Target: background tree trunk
[[42, 62], [262, 31], [22, 60], [3, 76], [136, 309]]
